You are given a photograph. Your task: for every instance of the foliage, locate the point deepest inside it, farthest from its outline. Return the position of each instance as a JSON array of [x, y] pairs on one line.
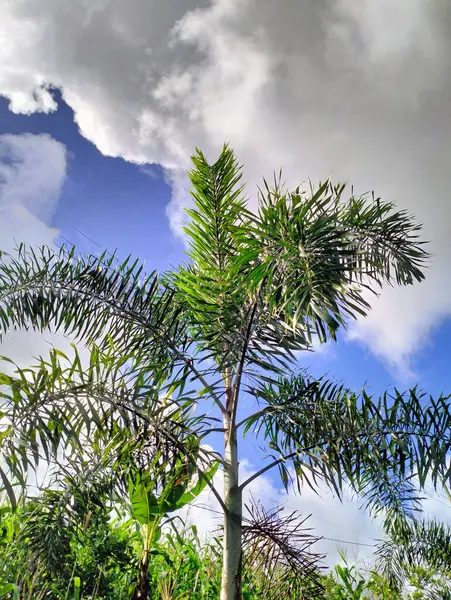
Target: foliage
[[63, 403], [258, 287], [347, 582], [418, 554], [41, 561], [101, 548], [330, 433], [428, 584]]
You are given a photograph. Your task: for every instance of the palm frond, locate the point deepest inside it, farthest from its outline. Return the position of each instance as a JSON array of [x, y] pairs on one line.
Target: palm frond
[[280, 548], [316, 256], [231, 317], [219, 208], [217, 303], [95, 299], [62, 515], [412, 544], [65, 404], [381, 447]]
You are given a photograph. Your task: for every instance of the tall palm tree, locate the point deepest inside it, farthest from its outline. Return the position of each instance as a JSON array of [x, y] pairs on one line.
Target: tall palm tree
[[258, 287]]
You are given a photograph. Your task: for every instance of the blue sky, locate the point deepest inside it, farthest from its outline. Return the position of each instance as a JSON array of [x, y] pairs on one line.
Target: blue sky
[[113, 202], [357, 91]]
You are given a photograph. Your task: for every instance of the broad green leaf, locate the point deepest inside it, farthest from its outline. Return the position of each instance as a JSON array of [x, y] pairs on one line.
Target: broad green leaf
[[10, 588], [192, 493], [144, 504]]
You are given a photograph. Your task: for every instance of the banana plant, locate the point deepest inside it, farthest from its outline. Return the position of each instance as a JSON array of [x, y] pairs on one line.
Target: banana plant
[[154, 496]]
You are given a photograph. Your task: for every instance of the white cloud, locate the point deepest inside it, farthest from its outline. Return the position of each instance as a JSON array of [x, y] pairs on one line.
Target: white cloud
[[32, 173], [358, 90], [343, 525], [330, 518]]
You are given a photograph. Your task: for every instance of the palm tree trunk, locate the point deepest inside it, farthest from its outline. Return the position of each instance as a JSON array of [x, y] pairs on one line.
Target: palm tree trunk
[[232, 551]]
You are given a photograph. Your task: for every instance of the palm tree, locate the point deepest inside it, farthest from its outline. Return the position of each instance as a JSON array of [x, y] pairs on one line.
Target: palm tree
[[258, 288], [418, 550]]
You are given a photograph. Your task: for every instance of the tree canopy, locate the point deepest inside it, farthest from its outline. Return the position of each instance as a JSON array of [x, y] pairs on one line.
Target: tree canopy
[[257, 288]]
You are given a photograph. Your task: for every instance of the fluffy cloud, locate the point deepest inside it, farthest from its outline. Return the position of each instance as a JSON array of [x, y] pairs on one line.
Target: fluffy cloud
[[32, 173], [343, 525], [329, 519], [356, 90]]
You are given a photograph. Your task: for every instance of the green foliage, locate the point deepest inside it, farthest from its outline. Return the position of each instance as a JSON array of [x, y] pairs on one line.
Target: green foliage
[[101, 552], [88, 554], [350, 585], [347, 582], [62, 404], [89, 296], [315, 253], [10, 590], [259, 285], [380, 588], [295, 270], [372, 444], [182, 567], [428, 584], [182, 484], [417, 553]]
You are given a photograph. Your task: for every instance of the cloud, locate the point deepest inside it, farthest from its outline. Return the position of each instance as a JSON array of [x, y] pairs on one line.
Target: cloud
[[356, 90], [32, 173], [343, 525], [329, 518]]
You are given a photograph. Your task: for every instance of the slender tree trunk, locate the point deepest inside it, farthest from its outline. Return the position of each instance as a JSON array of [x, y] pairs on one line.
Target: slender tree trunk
[[142, 588], [232, 551]]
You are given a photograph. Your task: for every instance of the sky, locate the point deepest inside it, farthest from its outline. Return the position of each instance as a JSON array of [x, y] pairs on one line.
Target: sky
[[103, 101]]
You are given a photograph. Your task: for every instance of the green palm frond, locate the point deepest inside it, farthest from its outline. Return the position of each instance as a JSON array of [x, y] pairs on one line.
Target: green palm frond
[[92, 299], [219, 208], [376, 445], [217, 301], [62, 517], [315, 254], [64, 404], [412, 544]]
